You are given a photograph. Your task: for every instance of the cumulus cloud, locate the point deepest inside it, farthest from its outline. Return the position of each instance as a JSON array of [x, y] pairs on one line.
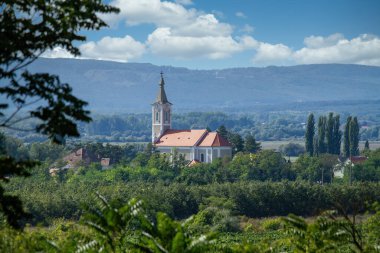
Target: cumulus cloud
[[57, 52], [320, 42], [268, 54], [364, 49], [183, 32], [113, 48], [152, 11], [204, 25], [163, 42], [180, 32]]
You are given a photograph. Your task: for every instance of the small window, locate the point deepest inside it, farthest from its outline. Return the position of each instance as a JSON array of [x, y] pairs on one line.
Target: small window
[[202, 157], [157, 117], [167, 115]]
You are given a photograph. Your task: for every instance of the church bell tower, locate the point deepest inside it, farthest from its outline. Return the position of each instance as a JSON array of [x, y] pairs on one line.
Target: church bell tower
[[161, 112]]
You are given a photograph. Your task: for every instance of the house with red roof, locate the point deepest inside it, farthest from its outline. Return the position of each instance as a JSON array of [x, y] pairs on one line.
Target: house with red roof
[[344, 163], [194, 144]]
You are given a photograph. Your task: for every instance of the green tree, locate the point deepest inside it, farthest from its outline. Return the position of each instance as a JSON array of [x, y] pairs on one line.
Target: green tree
[[222, 131], [337, 136], [322, 135], [315, 145], [236, 141], [292, 149], [309, 134], [346, 140], [354, 137], [330, 144], [250, 144], [328, 233], [27, 30]]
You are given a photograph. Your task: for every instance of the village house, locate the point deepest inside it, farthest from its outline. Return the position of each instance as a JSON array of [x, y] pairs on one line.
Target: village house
[[196, 145], [344, 163], [80, 157]]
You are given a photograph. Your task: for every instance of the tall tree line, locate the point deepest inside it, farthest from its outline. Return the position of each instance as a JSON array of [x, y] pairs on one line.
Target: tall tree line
[[326, 138], [351, 137]]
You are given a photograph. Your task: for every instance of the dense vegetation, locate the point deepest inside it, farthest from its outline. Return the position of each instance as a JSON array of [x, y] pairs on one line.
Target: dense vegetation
[[264, 126], [224, 198], [247, 182]]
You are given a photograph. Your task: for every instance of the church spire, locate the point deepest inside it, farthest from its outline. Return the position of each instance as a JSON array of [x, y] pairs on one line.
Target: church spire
[[161, 112], [161, 96]]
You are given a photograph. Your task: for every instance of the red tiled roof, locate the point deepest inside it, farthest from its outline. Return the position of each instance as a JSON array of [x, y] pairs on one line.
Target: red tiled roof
[[190, 138], [358, 159], [214, 139], [80, 155], [180, 138]]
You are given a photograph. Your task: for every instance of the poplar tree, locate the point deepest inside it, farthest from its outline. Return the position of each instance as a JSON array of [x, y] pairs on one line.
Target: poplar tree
[[354, 137], [330, 145], [337, 135], [309, 134], [321, 135], [315, 145], [346, 140]]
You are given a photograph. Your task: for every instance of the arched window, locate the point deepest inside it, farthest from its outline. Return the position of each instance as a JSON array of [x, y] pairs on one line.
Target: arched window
[[202, 157], [167, 115], [157, 117]]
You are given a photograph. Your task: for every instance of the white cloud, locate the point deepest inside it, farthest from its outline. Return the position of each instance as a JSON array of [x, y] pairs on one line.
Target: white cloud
[[180, 32], [182, 21], [320, 42], [204, 25], [163, 42], [57, 52], [188, 33], [152, 11], [364, 49], [268, 54], [113, 48], [240, 14]]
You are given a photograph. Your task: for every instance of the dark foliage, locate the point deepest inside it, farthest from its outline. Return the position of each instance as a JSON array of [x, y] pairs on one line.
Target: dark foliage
[[28, 29]]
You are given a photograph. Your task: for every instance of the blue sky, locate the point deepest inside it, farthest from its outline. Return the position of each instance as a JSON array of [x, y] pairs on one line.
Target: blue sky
[[208, 34]]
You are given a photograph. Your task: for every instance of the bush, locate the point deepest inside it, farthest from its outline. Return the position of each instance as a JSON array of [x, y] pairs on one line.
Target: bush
[[214, 219], [271, 224]]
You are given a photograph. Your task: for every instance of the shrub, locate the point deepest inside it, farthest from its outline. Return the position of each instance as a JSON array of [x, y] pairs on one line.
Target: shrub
[[271, 224]]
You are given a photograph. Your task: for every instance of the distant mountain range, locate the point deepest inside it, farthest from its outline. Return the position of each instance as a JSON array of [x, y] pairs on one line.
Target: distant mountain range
[[112, 87]]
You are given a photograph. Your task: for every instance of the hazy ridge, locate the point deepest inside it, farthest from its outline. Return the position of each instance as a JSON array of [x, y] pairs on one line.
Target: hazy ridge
[[112, 87]]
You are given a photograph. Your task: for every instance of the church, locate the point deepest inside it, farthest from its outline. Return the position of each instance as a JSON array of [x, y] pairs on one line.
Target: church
[[196, 145]]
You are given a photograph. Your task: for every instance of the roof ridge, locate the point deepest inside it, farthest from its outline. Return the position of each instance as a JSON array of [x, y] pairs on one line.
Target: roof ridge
[[205, 133]]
